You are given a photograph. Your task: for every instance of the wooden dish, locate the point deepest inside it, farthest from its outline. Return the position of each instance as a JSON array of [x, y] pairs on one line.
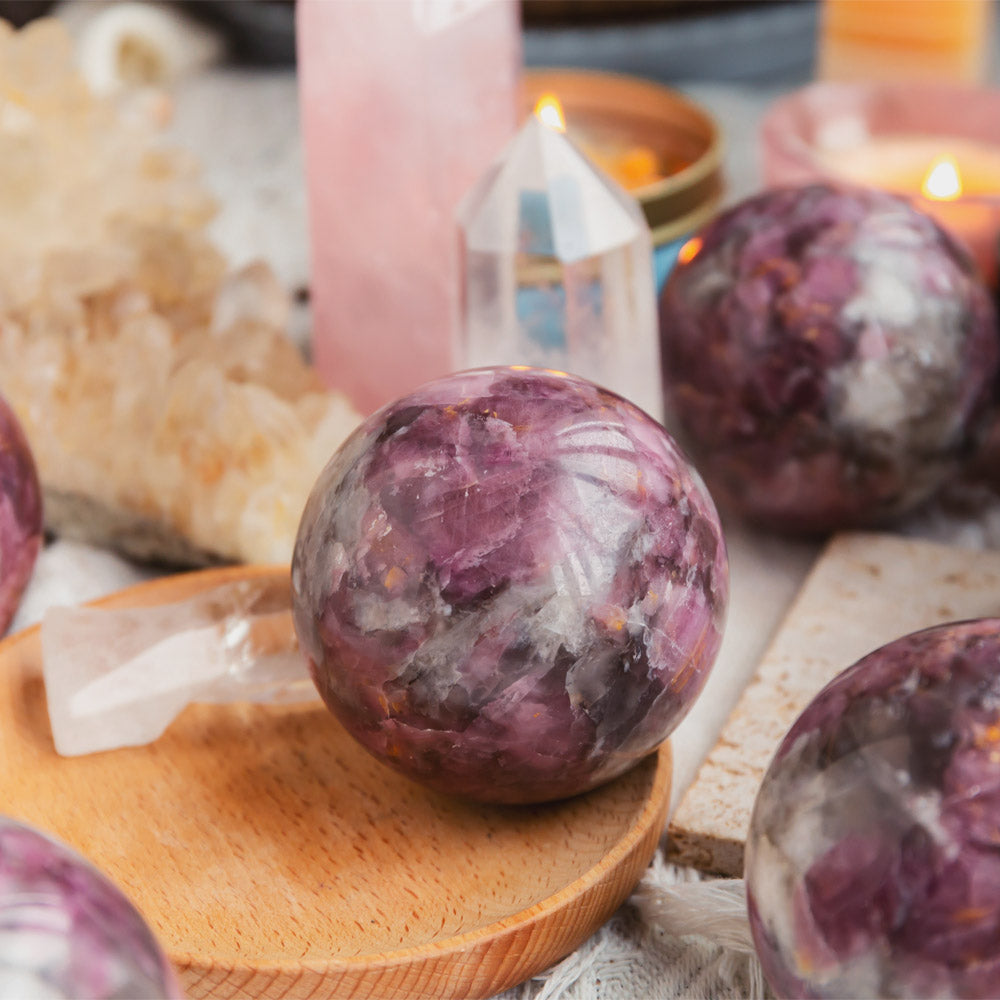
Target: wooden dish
[[275, 858]]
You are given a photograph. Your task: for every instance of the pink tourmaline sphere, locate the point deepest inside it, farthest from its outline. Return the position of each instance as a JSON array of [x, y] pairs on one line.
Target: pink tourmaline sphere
[[20, 514], [510, 585], [829, 356], [873, 855], [66, 931]]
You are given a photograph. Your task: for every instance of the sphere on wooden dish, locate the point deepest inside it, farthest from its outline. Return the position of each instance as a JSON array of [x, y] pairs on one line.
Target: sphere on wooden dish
[[510, 584], [20, 514], [872, 865], [66, 931], [828, 355]]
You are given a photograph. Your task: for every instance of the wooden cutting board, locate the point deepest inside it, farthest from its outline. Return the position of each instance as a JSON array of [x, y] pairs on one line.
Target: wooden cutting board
[[275, 858]]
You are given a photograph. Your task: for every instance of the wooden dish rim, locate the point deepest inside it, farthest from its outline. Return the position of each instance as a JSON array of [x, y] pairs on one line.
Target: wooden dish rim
[[644, 833]]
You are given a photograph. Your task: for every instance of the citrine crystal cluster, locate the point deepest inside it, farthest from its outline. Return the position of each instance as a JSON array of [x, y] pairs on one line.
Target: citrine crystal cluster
[[20, 514], [872, 865], [168, 413], [510, 584], [66, 931], [829, 355]]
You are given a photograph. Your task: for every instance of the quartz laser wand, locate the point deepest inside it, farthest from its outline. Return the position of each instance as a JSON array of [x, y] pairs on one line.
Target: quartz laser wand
[[118, 677]]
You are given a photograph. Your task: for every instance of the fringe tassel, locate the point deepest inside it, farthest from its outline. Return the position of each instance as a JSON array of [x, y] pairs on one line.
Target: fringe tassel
[[713, 910]]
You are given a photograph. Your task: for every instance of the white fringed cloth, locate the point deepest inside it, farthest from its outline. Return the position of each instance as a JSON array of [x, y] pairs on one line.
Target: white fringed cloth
[[679, 935]]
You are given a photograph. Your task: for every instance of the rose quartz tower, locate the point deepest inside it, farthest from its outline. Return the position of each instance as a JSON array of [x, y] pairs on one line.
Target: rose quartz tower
[[404, 105]]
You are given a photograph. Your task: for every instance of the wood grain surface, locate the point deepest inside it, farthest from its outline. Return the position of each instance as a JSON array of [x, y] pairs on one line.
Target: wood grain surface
[[864, 590], [275, 858]]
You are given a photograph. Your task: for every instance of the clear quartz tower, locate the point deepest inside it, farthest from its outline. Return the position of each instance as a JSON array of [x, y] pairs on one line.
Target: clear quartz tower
[[558, 270]]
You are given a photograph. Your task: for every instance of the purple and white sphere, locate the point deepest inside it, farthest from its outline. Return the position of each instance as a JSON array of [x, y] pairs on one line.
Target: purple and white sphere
[[873, 857], [20, 514], [510, 584], [66, 931], [828, 355]]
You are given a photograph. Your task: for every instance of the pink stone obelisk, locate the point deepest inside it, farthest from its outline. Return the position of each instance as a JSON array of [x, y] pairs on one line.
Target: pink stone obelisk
[[404, 105]]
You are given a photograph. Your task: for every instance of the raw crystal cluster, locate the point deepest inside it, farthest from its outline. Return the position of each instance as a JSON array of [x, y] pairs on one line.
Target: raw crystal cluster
[[66, 931], [827, 355], [20, 514], [510, 584], [873, 867], [167, 411]]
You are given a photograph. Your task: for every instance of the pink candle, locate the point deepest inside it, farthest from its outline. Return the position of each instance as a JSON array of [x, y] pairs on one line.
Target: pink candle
[[404, 105], [937, 145], [955, 180]]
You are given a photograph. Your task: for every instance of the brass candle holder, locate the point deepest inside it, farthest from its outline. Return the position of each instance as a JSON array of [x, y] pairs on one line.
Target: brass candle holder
[[659, 145]]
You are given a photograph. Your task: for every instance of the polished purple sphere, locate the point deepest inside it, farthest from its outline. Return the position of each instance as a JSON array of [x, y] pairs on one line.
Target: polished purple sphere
[[66, 931], [873, 858], [510, 584], [20, 514], [828, 356]]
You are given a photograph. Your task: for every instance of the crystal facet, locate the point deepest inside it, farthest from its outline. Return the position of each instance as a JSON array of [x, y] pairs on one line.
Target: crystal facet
[[510, 584], [873, 867], [558, 270], [20, 514], [233, 642], [828, 355], [66, 931]]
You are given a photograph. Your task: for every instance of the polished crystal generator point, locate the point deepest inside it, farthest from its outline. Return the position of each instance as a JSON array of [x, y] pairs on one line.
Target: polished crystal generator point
[[873, 856], [66, 931], [20, 514], [558, 269], [510, 584], [828, 356]]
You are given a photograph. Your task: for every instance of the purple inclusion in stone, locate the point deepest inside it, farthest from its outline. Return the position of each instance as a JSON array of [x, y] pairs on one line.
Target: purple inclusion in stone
[[510, 584], [873, 859], [829, 356], [66, 931], [20, 514]]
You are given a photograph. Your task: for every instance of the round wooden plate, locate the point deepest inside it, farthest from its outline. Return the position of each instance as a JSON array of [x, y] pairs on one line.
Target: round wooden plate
[[275, 858]]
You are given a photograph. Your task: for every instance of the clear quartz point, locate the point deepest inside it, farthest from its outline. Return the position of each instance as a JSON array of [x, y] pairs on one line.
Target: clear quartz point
[[557, 270], [117, 677]]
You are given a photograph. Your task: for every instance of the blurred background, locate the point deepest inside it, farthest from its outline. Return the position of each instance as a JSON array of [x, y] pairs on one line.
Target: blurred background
[[758, 41]]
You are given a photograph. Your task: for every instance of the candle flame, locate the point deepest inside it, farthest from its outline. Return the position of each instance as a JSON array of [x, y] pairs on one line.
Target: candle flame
[[549, 112], [943, 181], [689, 250]]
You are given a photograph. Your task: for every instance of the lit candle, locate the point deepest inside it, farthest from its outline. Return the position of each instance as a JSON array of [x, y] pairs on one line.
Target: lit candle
[[955, 180], [658, 145], [632, 164]]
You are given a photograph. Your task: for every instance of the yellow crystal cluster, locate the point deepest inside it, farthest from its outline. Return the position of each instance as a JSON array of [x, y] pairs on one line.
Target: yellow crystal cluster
[[168, 412]]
